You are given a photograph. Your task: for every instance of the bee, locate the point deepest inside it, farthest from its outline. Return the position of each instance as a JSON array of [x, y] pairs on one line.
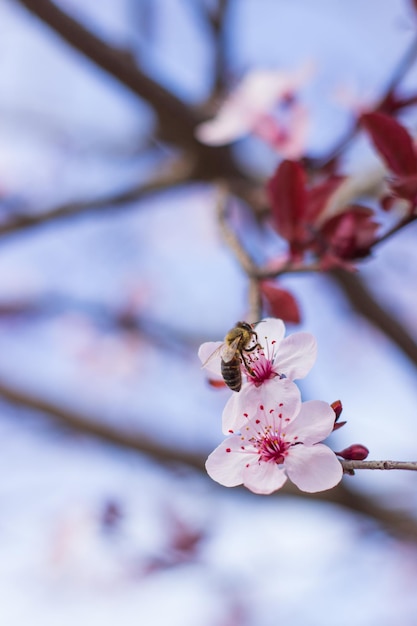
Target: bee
[[238, 341]]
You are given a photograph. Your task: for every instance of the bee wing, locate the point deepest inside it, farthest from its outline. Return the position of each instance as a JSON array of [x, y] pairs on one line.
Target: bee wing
[[229, 350], [210, 355]]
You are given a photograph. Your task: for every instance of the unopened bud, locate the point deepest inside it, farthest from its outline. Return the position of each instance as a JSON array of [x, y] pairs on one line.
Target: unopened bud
[[355, 452]]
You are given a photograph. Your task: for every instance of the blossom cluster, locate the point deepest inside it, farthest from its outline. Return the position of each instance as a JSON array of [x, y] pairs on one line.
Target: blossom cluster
[[271, 434]]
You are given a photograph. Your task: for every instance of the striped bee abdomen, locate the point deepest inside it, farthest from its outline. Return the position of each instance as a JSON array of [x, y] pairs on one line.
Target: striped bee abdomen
[[231, 373]]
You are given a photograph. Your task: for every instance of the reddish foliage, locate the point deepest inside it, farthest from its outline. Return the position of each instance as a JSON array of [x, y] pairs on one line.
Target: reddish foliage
[[319, 195], [280, 303], [296, 213], [350, 235], [393, 142], [287, 195], [337, 408], [397, 149]]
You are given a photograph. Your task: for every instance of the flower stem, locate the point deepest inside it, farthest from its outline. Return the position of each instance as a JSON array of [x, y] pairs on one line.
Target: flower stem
[[350, 466]]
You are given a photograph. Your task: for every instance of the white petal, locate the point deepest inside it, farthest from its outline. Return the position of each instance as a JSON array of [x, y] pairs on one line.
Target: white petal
[[263, 478], [209, 355], [313, 468], [256, 95], [233, 413], [296, 355], [271, 328], [229, 125], [314, 422], [226, 463], [276, 396]]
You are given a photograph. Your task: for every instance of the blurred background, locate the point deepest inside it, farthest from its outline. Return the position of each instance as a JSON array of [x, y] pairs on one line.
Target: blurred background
[[113, 270]]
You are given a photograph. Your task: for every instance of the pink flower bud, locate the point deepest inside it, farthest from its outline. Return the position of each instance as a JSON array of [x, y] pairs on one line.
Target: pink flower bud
[[355, 452]]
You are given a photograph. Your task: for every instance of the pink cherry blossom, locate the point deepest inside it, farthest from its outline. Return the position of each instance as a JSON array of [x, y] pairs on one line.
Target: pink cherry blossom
[[249, 108], [272, 368], [279, 440]]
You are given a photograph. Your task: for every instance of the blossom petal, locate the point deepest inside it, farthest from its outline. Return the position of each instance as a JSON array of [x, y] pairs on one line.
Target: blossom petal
[[230, 124], [273, 329], [274, 394], [314, 422], [313, 468], [209, 355], [226, 463], [296, 355], [263, 478], [256, 95]]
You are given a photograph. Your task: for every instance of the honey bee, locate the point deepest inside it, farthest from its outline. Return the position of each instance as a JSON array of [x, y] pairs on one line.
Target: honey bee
[[238, 341]]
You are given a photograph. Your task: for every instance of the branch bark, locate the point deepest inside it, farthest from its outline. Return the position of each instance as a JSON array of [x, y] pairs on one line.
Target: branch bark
[[135, 193], [364, 303], [399, 523], [351, 466], [176, 120]]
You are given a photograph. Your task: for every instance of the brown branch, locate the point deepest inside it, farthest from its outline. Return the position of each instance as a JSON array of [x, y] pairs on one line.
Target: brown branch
[[350, 466], [364, 303], [120, 64], [84, 424], [176, 120], [19, 222], [217, 23], [399, 523], [244, 259]]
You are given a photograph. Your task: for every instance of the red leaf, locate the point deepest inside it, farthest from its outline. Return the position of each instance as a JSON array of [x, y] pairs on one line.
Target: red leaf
[[287, 195], [281, 303], [319, 195], [406, 188], [393, 142], [351, 235]]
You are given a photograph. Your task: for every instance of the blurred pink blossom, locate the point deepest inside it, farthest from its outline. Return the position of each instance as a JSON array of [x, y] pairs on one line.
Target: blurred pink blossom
[[252, 108]]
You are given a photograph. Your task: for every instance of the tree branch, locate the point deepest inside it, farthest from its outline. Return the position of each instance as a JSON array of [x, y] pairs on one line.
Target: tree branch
[[399, 523], [364, 303], [19, 222], [350, 466], [176, 120]]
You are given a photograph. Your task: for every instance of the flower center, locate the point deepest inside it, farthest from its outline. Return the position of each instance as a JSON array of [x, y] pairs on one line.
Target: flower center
[[272, 448], [259, 366]]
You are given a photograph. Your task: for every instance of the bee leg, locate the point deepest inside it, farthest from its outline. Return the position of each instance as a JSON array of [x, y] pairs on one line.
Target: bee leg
[[252, 348], [247, 366]]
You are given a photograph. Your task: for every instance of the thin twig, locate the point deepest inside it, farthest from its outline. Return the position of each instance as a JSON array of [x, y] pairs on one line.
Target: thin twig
[[255, 301], [399, 72], [219, 47], [349, 466], [176, 176], [244, 259]]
